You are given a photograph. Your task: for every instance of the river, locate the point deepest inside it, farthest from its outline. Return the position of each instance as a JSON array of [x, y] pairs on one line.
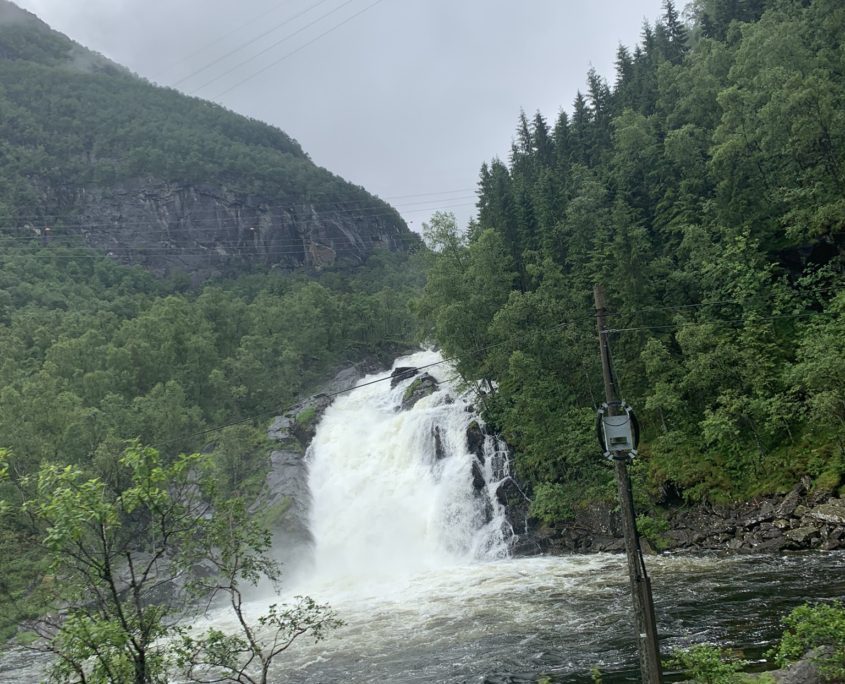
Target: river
[[414, 558]]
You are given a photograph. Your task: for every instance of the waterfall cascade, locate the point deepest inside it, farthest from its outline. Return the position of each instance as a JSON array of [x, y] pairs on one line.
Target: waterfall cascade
[[397, 492]]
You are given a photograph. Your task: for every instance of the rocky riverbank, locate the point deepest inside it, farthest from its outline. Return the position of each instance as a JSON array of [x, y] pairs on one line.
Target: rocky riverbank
[[800, 520]]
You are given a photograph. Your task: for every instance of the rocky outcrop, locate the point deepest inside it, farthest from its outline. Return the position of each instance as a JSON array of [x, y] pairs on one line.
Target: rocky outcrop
[[209, 230], [797, 521], [401, 373], [800, 520], [475, 440]]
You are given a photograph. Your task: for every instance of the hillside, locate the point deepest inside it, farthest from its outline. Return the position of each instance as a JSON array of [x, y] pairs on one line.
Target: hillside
[[171, 274], [704, 188], [93, 155]]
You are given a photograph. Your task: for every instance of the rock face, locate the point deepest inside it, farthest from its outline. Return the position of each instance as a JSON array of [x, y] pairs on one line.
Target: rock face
[[401, 373], [210, 230], [422, 386]]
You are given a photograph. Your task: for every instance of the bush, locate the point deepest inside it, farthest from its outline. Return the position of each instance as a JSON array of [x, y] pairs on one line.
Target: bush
[[707, 664], [820, 631], [652, 529]]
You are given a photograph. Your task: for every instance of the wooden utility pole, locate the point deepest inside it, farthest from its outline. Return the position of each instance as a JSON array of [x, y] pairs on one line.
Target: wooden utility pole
[[644, 620]]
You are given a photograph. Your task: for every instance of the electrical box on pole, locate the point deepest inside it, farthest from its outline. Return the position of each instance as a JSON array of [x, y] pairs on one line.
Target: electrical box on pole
[[618, 433]]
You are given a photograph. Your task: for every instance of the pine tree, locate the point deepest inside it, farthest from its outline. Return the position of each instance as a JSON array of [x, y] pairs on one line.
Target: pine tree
[[599, 98], [623, 93], [541, 140], [675, 32], [562, 146], [581, 131]]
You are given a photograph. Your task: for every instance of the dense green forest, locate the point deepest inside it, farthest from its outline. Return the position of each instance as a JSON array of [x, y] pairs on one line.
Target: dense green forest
[[704, 187], [108, 374], [93, 355]]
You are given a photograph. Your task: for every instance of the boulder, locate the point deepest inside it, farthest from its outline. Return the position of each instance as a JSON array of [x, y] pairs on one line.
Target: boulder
[[439, 449], [790, 502], [831, 512], [802, 672], [402, 373], [801, 535], [475, 440], [764, 513], [478, 481], [421, 387], [508, 491]]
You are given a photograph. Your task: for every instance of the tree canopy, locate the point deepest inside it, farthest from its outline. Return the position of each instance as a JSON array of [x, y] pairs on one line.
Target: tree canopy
[[704, 189]]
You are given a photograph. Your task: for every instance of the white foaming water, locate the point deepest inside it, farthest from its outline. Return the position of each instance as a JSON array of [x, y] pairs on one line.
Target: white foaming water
[[385, 507]]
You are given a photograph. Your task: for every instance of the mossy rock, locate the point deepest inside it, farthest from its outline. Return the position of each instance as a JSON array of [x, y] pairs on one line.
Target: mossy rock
[[307, 416], [421, 387]]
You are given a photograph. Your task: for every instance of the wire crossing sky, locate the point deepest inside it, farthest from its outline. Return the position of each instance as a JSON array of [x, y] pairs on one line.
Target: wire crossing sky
[[399, 96]]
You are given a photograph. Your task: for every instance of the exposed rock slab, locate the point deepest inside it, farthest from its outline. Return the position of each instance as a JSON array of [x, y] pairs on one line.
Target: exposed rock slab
[[209, 230], [831, 512]]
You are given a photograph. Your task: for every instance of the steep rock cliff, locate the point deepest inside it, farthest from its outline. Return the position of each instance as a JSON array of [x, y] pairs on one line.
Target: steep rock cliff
[[211, 229]]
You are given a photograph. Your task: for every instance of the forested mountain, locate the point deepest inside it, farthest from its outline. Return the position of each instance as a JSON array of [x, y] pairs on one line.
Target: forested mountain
[[170, 273], [93, 155], [704, 187]]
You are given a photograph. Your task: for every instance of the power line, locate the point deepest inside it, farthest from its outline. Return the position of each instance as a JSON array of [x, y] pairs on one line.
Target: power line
[[276, 44], [738, 321], [350, 212], [214, 223], [437, 196], [722, 302], [251, 40], [299, 49]]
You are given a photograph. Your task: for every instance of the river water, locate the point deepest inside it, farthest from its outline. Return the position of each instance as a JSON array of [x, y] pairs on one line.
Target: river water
[[410, 549], [414, 559]]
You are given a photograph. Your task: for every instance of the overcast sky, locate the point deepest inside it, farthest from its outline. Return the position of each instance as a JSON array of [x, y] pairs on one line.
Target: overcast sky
[[404, 97]]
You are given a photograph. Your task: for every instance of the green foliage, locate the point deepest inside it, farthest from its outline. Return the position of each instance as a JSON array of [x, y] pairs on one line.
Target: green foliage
[[119, 553], [708, 664], [307, 416], [107, 548], [652, 529], [704, 190], [551, 503], [818, 631], [237, 547], [93, 354]]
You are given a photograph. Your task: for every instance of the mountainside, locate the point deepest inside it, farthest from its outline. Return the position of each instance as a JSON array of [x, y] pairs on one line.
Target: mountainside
[[102, 174], [93, 155]]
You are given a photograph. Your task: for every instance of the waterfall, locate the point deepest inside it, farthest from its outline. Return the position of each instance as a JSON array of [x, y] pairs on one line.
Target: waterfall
[[395, 492]]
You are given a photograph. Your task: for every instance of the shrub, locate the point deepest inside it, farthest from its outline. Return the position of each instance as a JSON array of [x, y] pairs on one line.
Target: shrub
[[820, 631], [707, 664]]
